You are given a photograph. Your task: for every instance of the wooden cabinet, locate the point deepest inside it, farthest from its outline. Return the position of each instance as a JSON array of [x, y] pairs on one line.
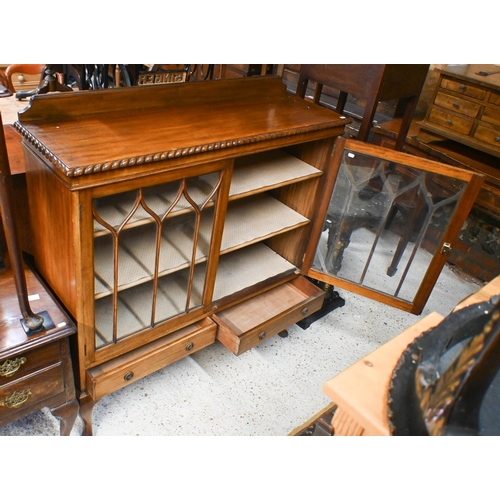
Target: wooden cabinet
[[168, 216], [465, 106], [171, 206]]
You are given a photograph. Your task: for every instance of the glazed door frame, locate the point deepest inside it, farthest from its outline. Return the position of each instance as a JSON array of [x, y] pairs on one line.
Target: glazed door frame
[[464, 204], [88, 354]]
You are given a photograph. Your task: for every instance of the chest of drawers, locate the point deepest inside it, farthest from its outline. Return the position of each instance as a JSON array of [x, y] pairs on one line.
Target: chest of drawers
[[465, 107], [35, 370]]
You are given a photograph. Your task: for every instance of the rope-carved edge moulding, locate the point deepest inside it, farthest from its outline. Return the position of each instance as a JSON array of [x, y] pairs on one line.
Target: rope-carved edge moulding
[[156, 157]]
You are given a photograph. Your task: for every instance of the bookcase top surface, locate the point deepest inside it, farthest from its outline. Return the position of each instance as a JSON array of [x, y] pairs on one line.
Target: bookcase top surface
[[87, 132]]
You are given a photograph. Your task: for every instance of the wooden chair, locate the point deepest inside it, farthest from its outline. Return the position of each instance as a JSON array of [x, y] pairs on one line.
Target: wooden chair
[[50, 79], [27, 69]]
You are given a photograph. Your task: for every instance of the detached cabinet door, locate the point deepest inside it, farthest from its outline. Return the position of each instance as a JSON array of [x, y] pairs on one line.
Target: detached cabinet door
[[390, 222]]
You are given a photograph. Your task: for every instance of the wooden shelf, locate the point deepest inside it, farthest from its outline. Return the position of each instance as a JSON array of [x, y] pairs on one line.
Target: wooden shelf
[[268, 170], [237, 271], [264, 217]]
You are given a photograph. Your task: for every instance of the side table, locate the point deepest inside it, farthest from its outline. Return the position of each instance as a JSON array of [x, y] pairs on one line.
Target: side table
[[373, 83]]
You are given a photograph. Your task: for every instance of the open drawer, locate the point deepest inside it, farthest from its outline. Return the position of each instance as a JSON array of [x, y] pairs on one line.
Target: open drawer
[[247, 324], [127, 368]]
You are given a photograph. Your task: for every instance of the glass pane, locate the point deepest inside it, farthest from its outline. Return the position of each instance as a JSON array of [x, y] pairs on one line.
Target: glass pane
[[147, 244], [384, 223]]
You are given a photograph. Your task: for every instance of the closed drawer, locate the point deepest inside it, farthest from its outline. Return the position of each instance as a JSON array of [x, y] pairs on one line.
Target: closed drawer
[[18, 366], [30, 390], [494, 98], [246, 325], [451, 122], [463, 88], [462, 106], [127, 368], [491, 115], [489, 135]]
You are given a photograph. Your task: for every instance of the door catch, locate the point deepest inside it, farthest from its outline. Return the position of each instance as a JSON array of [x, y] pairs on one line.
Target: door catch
[[446, 249]]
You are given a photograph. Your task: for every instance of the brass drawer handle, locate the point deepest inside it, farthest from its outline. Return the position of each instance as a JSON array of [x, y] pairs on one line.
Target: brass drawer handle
[[16, 399], [9, 367], [128, 376], [262, 335], [304, 311], [190, 346]]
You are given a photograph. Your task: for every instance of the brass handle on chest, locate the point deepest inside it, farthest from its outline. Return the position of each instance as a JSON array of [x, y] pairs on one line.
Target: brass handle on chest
[[16, 399], [10, 366]]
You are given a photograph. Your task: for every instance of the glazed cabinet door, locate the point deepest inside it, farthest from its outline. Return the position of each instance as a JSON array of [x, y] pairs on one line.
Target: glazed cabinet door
[[154, 248], [389, 221]]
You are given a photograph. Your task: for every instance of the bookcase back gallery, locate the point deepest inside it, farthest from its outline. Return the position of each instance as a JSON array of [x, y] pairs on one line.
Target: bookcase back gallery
[[168, 216]]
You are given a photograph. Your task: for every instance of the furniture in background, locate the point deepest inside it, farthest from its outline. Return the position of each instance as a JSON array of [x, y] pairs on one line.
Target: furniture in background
[[35, 361], [244, 70], [465, 106], [372, 82], [361, 391], [22, 70], [459, 129]]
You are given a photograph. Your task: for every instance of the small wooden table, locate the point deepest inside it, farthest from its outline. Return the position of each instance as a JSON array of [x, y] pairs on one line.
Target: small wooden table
[[372, 83], [361, 390], [35, 370]]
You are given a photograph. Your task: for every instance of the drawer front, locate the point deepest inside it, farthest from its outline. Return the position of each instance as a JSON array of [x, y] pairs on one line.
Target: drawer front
[[494, 98], [451, 122], [491, 115], [246, 325], [127, 368], [489, 135], [18, 366], [452, 103], [464, 88], [30, 390]]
